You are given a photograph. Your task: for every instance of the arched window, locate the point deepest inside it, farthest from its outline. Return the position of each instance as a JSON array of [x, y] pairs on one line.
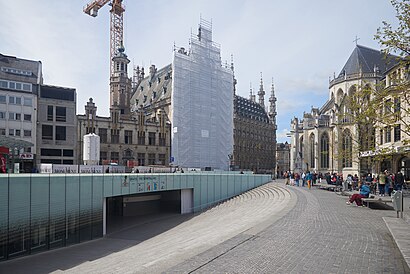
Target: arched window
[[301, 147], [347, 148], [324, 151], [312, 150]]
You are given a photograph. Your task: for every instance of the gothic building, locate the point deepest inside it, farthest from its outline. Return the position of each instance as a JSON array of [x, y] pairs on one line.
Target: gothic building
[[255, 133], [326, 139]]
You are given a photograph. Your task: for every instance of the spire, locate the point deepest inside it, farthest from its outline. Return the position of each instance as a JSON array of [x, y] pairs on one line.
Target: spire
[[261, 94], [272, 105], [233, 75]]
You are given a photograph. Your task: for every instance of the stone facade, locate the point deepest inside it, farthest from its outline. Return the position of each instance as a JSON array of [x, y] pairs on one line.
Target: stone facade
[[57, 122], [255, 133], [282, 158], [326, 139]]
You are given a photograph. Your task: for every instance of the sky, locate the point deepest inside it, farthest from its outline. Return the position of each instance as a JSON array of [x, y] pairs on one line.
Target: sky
[[299, 44]]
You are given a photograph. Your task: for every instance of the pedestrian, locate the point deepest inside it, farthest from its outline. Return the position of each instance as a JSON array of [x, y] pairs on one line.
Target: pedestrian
[[357, 198], [398, 181], [389, 184], [382, 183], [297, 178], [309, 179]]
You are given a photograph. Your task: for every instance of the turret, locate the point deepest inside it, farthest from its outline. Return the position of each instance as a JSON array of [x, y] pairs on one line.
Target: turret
[[272, 105], [261, 94]]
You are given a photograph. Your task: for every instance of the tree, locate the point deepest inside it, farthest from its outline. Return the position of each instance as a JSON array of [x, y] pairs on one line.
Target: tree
[[395, 95]]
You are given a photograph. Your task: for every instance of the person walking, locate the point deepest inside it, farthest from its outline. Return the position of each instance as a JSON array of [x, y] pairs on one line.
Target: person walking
[[357, 198], [398, 181], [382, 183]]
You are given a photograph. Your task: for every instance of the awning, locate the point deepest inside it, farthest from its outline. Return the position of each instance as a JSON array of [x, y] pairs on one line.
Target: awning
[[14, 143]]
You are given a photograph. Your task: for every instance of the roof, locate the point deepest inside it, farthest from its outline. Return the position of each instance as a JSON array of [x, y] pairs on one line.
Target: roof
[[154, 88], [367, 60], [12, 143], [248, 109]]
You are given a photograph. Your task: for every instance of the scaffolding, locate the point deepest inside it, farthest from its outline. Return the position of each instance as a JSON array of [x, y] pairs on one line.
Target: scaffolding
[[202, 104]]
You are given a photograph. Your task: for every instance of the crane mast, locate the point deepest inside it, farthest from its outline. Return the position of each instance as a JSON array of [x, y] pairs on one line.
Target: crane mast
[[116, 23]]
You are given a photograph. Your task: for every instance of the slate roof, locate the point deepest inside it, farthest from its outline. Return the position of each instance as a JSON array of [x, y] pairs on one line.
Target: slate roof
[[366, 59], [248, 109], [154, 89]]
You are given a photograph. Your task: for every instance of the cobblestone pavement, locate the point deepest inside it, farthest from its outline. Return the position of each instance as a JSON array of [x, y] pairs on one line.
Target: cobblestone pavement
[[321, 234]]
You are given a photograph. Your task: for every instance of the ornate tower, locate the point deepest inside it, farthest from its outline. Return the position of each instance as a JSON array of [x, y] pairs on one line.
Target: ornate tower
[[261, 94], [120, 87], [272, 105]]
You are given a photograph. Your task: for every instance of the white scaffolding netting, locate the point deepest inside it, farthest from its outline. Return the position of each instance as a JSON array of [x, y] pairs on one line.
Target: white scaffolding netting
[[202, 105]]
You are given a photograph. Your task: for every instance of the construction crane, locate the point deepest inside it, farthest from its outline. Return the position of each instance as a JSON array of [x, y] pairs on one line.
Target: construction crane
[[116, 23]]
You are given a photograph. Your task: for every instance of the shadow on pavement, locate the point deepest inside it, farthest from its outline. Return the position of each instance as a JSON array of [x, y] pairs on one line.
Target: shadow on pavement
[[125, 235]]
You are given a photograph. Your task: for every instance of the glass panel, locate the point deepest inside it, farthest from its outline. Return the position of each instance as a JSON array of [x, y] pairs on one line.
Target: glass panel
[[72, 209], [19, 216], [3, 215], [85, 207], [57, 211], [39, 214], [108, 187], [204, 191], [97, 206]]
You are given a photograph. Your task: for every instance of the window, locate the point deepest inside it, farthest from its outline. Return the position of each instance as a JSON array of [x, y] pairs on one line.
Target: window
[[27, 133], [141, 159], [324, 151], [128, 137], [14, 132], [68, 152], [2, 99], [17, 71], [387, 107], [312, 150], [387, 134], [151, 158], [102, 132], [103, 156], [28, 102], [50, 113], [115, 136], [347, 149], [397, 133], [162, 139], [2, 115], [61, 114], [60, 133], [161, 159], [50, 152], [141, 137], [151, 138], [47, 132], [4, 84], [27, 117], [14, 116], [2, 131], [115, 156]]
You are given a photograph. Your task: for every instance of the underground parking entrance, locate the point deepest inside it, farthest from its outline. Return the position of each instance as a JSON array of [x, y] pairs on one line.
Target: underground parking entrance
[[142, 210]]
